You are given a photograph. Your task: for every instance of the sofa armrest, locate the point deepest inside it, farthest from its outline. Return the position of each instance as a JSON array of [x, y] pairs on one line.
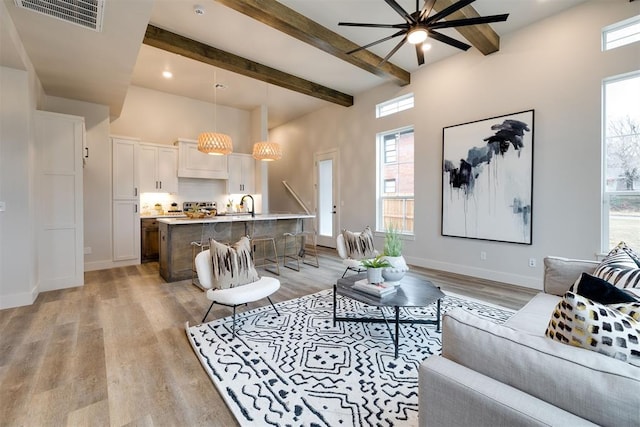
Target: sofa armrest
[[561, 273], [568, 377], [451, 394]]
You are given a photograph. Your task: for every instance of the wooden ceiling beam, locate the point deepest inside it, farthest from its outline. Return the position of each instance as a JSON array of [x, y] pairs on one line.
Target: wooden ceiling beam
[[482, 36], [288, 21], [180, 45]]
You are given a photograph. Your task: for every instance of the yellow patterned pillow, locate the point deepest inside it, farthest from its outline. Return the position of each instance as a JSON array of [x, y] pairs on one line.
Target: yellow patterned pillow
[[580, 322]]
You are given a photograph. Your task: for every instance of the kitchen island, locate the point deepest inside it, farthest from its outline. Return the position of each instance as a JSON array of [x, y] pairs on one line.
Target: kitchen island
[[177, 235]]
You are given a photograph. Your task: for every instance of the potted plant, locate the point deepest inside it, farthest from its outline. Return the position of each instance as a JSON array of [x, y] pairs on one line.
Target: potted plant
[[374, 268], [393, 254]]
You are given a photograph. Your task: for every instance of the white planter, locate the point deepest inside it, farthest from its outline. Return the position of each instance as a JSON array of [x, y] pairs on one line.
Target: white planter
[[396, 272], [374, 275]]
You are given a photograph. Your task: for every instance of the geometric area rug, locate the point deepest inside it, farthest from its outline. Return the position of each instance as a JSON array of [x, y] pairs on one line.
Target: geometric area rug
[[297, 369]]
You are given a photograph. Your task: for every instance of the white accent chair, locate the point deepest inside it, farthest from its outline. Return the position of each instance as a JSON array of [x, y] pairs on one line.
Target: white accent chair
[[349, 263], [232, 297]]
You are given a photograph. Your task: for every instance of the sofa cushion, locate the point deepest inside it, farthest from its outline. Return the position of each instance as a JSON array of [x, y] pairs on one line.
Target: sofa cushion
[[620, 268], [571, 378], [561, 273], [599, 290], [534, 316], [232, 265], [581, 322], [359, 245]]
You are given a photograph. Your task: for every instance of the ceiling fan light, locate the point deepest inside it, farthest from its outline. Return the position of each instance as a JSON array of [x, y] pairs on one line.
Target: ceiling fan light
[[267, 151], [417, 35], [215, 143]]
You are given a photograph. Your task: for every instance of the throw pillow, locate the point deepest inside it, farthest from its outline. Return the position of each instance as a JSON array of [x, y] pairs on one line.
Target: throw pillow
[[599, 290], [359, 245], [580, 322], [232, 265], [631, 309], [619, 268]]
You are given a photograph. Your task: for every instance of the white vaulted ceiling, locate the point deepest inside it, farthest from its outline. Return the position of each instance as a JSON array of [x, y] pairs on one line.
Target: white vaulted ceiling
[[77, 63]]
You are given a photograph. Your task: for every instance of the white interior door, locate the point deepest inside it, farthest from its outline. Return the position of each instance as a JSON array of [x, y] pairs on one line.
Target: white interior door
[[326, 167], [59, 140]]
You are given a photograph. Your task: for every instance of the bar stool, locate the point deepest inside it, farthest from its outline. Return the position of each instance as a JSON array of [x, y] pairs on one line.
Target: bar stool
[[263, 244], [197, 247], [296, 247]]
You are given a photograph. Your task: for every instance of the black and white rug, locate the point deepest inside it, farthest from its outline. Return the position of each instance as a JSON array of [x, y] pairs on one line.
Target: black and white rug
[[297, 369]]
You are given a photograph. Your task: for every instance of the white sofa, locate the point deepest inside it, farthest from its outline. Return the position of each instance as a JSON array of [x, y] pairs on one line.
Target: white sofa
[[513, 375]]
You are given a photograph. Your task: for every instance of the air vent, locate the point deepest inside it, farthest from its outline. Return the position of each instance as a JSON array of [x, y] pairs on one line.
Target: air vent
[[85, 13]]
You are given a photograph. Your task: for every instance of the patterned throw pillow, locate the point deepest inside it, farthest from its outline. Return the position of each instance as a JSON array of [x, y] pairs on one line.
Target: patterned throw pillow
[[631, 309], [359, 245], [232, 265], [619, 267], [580, 322]]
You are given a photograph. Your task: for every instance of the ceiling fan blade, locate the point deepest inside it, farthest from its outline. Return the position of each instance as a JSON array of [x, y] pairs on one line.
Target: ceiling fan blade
[[448, 40], [395, 6], [393, 51], [426, 9], [448, 11], [377, 42], [420, 53], [358, 24], [469, 21]]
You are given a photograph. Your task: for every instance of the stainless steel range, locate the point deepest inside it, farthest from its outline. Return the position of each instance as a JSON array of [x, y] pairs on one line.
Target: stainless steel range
[[207, 207]]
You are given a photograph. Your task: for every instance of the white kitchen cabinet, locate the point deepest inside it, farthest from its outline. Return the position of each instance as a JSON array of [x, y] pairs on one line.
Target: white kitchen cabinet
[[126, 214], [158, 168], [242, 174], [126, 230], [125, 168], [194, 164]]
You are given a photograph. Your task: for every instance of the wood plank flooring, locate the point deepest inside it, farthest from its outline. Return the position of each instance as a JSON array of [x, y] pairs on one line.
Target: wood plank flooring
[[114, 352]]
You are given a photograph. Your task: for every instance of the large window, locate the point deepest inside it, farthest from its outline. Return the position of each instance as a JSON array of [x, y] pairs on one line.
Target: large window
[[395, 180], [621, 169]]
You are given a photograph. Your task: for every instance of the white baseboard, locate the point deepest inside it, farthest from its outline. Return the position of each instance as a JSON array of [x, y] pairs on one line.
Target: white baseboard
[[19, 300], [498, 276], [106, 264]]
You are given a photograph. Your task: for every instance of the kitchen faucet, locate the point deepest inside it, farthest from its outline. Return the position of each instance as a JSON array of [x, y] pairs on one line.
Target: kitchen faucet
[[253, 204]]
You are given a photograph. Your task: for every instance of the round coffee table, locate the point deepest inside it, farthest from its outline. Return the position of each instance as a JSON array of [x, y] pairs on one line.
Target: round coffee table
[[412, 292]]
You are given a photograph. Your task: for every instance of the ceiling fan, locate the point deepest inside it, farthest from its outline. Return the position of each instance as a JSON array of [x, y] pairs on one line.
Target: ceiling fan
[[421, 24]]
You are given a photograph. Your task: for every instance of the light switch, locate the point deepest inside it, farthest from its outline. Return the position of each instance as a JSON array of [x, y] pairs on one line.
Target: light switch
[[2, 206]]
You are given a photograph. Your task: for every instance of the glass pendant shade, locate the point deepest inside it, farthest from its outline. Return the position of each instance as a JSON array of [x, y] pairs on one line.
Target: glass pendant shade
[[267, 151], [215, 143]]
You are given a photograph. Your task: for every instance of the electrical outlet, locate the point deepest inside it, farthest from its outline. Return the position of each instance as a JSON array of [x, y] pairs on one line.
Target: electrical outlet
[[483, 255], [532, 262]]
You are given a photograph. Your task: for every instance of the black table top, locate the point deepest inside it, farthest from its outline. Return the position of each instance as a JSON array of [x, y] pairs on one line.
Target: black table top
[[411, 292]]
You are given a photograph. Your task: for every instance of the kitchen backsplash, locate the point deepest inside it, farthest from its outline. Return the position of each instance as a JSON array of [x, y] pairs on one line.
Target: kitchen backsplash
[[191, 190]]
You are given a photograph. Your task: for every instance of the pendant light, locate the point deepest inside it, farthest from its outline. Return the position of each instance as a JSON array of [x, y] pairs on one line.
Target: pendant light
[[215, 143], [265, 150]]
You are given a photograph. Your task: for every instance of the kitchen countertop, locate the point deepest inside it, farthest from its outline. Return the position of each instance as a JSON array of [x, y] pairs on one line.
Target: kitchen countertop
[[231, 218], [162, 216]]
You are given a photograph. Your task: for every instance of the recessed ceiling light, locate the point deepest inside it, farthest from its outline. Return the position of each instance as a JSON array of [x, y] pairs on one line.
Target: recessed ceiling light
[[167, 74], [198, 10], [426, 46]]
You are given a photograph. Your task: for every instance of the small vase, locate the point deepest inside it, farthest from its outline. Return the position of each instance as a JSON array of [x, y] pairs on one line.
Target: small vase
[[392, 275], [374, 275]]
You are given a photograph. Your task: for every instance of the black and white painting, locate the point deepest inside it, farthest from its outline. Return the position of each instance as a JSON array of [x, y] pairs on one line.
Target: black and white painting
[[487, 182]]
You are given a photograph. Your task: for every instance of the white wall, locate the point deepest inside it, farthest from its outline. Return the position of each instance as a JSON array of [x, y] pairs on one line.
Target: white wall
[[162, 118], [554, 67]]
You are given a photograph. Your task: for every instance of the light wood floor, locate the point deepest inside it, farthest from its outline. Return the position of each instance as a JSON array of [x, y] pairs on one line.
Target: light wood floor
[[115, 352]]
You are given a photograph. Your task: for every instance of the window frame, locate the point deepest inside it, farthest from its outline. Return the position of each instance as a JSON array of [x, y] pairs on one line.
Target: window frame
[[632, 23], [380, 180], [395, 105], [606, 194]]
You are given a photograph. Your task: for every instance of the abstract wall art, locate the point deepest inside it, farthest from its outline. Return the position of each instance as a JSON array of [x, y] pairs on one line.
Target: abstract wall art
[[487, 179]]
